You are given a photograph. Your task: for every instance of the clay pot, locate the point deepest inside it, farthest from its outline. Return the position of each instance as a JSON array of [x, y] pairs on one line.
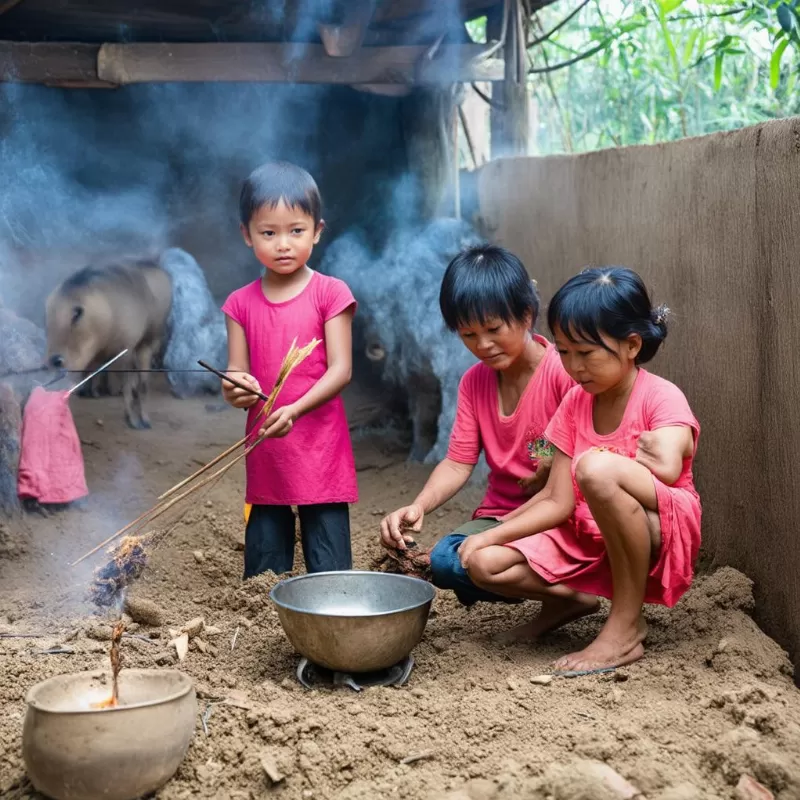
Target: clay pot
[[75, 752]]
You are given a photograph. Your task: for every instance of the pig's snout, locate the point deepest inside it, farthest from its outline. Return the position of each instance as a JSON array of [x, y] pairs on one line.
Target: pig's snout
[[57, 361]]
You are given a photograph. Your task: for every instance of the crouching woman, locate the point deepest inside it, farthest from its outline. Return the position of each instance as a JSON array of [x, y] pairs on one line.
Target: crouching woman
[[504, 405]]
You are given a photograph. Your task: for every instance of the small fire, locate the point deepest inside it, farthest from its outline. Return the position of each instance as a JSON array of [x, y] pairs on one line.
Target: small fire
[[126, 563], [116, 665]]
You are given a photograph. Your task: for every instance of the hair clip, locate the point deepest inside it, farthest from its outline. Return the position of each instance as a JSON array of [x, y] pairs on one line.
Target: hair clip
[[660, 315]]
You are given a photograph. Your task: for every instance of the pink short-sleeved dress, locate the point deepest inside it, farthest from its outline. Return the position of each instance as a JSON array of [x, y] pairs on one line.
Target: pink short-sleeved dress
[[312, 464], [574, 553], [512, 444]]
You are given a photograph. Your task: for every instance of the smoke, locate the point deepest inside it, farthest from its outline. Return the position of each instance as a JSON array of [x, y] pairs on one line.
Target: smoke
[[88, 176], [196, 326], [398, 295]]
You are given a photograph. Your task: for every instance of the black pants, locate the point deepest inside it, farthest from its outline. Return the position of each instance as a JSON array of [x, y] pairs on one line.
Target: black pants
[[324, 533]]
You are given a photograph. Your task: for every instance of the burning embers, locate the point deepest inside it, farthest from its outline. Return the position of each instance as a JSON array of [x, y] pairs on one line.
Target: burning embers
[[116, 665], [126, 563]]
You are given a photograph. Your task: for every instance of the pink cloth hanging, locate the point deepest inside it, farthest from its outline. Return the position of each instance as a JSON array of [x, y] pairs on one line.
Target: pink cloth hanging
[[51, 461]]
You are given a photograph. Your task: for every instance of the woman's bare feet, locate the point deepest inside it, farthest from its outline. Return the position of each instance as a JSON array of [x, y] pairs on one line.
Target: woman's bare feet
[[613, 647], [555, 613]]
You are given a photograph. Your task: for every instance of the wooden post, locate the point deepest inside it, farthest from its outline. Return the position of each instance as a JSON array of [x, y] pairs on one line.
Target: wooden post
[[509, 114], [427, 130]]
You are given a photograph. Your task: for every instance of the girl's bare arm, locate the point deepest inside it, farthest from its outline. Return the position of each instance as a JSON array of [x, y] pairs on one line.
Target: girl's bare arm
[[663, 451], [339, 350], [550, 508], [239, 366], [444, 482]]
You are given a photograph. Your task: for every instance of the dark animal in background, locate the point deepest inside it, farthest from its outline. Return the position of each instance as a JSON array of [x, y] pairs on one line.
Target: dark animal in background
[[98, 312], [196, 327], [404, 335]]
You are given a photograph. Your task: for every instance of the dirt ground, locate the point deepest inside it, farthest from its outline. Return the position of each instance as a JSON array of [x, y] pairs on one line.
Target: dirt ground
[[713, 699]]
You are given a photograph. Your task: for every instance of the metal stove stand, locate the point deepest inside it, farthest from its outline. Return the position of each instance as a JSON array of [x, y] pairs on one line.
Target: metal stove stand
[[309, 675]]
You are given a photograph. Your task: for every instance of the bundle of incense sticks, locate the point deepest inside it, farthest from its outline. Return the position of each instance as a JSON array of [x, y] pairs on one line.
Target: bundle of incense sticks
[[192, 484]]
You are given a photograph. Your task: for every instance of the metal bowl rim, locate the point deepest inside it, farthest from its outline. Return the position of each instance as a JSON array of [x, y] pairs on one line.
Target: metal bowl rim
[[188, 685], [308, 575]]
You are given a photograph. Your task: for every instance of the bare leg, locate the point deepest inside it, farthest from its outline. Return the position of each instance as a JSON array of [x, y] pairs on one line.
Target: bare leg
[[620, 493], [505, 571]]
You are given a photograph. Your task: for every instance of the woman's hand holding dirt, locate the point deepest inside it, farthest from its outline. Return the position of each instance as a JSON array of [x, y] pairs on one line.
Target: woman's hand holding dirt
[[394, 526], [237, 397], [471, 545]]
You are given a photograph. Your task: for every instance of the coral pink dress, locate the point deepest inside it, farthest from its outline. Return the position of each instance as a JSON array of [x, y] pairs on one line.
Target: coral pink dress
[[574, 553], [313, 463]]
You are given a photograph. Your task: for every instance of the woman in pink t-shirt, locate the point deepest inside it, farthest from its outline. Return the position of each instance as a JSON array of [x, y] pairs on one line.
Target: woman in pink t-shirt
[[620, 516], [307, 459], [505, 402]]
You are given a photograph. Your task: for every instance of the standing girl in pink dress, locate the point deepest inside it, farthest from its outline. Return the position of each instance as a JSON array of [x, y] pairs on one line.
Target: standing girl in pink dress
[[619, 516], [307, 459]]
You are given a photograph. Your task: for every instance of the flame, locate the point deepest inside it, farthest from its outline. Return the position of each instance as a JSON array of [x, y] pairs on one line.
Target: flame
[[116, 665]]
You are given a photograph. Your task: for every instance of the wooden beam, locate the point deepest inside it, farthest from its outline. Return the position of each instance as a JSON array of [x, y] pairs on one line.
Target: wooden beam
[[296, 63], [43, 62], [118, 64], [7, 5]]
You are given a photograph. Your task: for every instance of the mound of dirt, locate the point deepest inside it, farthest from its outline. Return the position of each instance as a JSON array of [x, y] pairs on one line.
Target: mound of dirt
[[712, 701]]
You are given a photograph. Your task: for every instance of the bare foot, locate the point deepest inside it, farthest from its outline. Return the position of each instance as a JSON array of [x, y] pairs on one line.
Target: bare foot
[[554, 613], [613, 647]]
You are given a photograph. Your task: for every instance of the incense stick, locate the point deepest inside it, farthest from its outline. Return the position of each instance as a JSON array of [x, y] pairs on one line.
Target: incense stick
[[228, 378], [96, 372]]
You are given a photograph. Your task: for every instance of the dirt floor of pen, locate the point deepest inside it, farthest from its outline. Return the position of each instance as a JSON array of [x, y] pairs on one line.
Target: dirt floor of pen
[[713, 700]]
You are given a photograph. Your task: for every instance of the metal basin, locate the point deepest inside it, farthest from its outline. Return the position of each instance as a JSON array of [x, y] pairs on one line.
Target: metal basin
[[353, 621], [75, 752]]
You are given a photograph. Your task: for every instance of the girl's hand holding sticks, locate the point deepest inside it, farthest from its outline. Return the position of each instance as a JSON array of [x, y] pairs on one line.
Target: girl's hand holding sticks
[[240, 397], [279, 423]]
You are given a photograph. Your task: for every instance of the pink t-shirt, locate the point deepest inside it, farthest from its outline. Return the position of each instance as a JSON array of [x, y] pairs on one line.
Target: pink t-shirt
[[513, 444], [313, 463]]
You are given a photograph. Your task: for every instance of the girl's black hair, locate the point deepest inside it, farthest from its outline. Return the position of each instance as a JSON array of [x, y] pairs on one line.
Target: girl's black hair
[[279, 181], [609, 300], [487, 282]]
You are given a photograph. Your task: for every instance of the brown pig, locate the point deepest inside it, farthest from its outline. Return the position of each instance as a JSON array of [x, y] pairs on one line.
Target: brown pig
[[98, 312]]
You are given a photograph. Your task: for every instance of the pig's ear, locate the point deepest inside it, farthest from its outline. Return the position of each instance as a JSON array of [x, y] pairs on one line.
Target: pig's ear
[[77, 313]]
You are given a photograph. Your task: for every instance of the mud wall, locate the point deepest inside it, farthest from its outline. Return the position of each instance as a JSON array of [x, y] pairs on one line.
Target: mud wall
[[713, 225]]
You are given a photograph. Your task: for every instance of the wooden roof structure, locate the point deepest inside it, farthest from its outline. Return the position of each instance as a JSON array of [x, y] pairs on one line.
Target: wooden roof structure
[[108, 43]]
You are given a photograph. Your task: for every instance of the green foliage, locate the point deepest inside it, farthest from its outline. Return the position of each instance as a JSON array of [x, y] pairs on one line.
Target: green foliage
[[662, 69]]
